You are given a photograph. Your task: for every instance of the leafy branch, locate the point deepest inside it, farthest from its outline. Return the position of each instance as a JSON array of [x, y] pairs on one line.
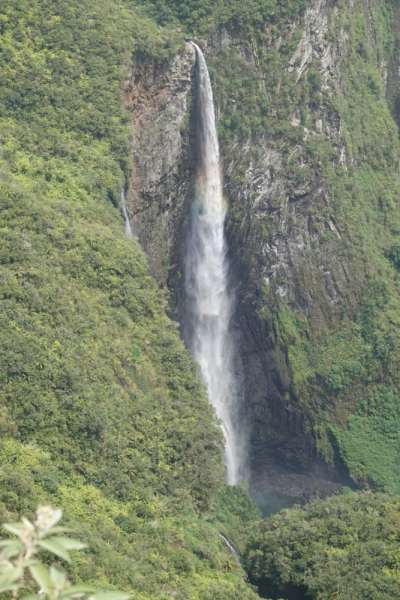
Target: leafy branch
[[18, 555]]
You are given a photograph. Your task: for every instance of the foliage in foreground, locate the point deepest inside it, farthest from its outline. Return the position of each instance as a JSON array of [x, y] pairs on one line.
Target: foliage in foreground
[[18, 559], [345, 547]]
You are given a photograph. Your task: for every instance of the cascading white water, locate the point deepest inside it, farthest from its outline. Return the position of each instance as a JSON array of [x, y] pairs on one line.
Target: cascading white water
[[208, 302], [231, 548], [128, 230]]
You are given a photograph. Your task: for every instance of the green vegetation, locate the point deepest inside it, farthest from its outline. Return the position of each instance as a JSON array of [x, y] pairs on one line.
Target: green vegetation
[[148, 543], [247, 93], [370, 444], [199, 17], [344, 547], [101, 407]]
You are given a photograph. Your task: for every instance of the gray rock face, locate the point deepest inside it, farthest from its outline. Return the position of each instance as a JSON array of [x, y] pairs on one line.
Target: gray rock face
[[296, 216], [282, 234]]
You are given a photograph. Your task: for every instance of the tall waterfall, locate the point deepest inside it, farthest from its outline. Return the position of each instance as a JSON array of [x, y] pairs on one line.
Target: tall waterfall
[[209, 303]]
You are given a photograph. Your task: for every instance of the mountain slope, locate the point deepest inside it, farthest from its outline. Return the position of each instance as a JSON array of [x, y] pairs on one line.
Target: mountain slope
[[102, 410]]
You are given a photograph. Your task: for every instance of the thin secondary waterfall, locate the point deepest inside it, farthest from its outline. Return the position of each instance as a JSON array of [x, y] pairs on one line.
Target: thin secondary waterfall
[[128, 230], [208, 301], [231, 548]]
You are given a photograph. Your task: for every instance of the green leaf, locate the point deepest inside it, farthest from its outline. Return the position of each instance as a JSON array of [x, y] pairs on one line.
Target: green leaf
[[76, 591], [9, 588], [54, 519], [12, 549], [112, 596], [9, 579], [29, 563], [57, 529], [15, 528], [69, 544], [7, 542], [41, 575], [28, 524], [52, 546], [8, 576], [57, 575]]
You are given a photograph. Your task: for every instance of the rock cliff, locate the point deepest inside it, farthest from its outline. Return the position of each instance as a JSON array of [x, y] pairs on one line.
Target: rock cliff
[[298, 273], [159, 98]]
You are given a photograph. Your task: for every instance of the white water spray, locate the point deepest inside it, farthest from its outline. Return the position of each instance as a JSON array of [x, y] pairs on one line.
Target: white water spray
[[128, 230], [209, 304]]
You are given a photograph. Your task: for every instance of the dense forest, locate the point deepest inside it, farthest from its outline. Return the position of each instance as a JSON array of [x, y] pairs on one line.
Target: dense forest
[[102, 410]]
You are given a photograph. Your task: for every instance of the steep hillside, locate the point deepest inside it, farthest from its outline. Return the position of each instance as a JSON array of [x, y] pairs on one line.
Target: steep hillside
[[307, 101], [102, 410]]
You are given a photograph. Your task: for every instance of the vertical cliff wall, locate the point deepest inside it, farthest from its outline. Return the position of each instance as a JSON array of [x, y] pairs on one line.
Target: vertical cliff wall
[[159, 99]]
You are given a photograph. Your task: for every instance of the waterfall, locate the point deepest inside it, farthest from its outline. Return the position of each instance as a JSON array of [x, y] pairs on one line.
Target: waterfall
[[231, 548], [128, 230], [209, 305]]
